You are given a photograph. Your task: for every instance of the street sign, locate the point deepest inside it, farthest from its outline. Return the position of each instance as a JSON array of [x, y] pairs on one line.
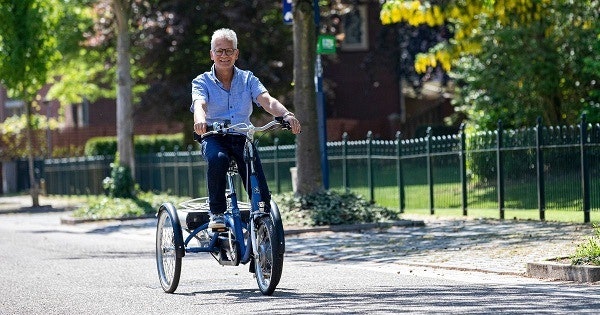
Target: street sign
[[288, 17], [326, 44]]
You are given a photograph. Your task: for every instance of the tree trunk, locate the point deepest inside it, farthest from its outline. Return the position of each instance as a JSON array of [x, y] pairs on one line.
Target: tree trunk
[[310, 179], [33, 184], [122, 10]]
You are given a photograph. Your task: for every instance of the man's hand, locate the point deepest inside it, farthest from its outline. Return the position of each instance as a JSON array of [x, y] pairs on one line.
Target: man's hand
[[294, 123], [200, 128]]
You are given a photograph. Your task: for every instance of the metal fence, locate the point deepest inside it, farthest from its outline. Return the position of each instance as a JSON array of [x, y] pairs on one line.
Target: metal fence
[[538, 168]]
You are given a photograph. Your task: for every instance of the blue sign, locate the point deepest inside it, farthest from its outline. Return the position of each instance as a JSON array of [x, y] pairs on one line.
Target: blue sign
[[288, 17]]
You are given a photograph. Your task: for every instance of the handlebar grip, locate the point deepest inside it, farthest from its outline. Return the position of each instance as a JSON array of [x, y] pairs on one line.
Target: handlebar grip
[[213, 127], [284, 124]]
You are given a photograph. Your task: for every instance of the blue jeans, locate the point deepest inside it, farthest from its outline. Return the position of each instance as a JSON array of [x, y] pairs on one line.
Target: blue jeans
[[218, 150]]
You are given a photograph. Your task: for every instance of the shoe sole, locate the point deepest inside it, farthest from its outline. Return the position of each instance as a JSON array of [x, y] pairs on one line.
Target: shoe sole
[[217, 226]]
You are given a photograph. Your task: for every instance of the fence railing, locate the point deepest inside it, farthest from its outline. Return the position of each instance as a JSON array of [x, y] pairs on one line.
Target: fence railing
[[540, 168]]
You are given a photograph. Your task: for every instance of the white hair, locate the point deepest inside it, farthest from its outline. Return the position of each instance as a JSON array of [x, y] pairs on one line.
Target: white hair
[[226, 34]]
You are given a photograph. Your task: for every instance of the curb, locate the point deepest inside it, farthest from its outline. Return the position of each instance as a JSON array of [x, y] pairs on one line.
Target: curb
[[73, 221], [554, 270]]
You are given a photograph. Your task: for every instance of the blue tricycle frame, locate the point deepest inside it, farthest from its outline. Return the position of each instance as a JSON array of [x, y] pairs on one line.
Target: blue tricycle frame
[[252, 235]]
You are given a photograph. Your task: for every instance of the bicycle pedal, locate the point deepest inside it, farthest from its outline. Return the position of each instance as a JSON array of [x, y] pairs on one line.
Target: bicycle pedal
[[218, 230]]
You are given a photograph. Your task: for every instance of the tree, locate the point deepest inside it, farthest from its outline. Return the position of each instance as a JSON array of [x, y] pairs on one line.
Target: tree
[[531, 65], [512, 60], [122, 11], [27, 52], [307, 144], [173, 42], [97, 68]]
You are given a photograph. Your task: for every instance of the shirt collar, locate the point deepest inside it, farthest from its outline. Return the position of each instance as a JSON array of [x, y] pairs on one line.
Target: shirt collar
[[213, 74]]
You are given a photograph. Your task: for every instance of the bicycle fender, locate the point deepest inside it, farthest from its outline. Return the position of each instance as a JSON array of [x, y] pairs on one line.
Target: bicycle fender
[[278, 224], [179, 245]]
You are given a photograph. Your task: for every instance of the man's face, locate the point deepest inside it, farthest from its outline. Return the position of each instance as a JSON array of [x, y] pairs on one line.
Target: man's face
[[223, 54]]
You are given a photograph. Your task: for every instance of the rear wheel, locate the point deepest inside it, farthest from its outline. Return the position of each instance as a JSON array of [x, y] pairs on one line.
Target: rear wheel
[[269, 261], [167, 260]]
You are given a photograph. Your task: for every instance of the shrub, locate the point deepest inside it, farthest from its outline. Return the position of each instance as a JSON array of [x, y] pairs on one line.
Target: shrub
[[330, 208], [142, 144], [588, 253], [120, 184], [104, 207], [267, 138]]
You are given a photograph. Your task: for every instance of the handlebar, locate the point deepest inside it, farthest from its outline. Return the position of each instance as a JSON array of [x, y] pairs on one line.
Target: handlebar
[[225, 128]]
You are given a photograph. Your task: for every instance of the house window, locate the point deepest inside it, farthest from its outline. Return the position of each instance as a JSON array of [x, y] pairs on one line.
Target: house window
[[14, 108], [354, 23]]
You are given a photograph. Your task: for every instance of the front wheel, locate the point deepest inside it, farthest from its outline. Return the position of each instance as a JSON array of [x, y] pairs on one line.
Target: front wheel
[[167, 260], [269, 261]]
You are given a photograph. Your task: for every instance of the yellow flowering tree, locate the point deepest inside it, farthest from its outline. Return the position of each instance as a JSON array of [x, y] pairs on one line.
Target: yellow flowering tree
[[512, 59]]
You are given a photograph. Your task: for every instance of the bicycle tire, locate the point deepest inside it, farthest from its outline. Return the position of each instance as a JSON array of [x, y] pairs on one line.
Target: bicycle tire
[[168, 262], [269, 261]]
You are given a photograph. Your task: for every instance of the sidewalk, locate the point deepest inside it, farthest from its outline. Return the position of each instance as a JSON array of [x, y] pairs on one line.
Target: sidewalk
[[502, 247], [22, 204], [486, 245]]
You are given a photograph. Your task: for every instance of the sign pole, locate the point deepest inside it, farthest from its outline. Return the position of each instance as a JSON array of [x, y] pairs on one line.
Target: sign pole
[[321, 112]]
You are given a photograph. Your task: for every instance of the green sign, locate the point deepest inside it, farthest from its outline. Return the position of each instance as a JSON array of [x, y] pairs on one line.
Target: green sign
[[326, 44]]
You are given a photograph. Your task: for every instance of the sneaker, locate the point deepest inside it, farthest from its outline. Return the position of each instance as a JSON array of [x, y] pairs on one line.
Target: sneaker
[[216, 221]]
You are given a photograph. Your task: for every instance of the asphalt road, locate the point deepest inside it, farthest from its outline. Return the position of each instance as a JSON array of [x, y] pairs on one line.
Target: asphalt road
[[109, 268]]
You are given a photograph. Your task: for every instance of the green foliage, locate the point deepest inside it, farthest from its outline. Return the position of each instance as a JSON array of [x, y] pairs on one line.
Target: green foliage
[[101, 146], [120, 184], [588, 253], [267, 138], [330, 208], [529, 68], [142, 144], [27, 44], [13, 135], [105, 207]]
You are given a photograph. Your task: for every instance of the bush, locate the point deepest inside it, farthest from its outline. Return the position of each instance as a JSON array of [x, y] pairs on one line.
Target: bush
[[120, 183], [142, 144], [330, 208], [588, 253], [104, 207], [267, 138]]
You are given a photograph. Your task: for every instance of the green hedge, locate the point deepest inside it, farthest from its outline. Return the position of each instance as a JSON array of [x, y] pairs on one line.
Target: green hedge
[[143, 144], [267, 138]]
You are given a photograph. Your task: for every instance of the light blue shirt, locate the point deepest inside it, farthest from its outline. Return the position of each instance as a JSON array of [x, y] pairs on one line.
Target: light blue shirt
[[234, 104]]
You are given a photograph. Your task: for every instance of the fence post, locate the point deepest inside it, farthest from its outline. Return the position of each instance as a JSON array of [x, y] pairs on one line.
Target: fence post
[[585, 174], [370, 166], [162, 168], [176, 170], [500, 169], [463, 167], [430, 171], [190, 172], [399, 174], [541, 188], [276, 165], [345, 161]]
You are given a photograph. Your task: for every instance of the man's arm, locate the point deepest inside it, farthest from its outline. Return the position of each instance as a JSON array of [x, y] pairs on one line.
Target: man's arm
[[275, 108], [199, 116]]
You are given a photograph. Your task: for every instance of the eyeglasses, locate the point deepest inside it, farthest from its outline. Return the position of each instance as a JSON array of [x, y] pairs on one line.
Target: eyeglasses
[[220, 52]]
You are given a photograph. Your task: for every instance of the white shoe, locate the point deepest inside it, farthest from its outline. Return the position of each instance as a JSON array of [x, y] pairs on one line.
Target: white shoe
[[216, 221]]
